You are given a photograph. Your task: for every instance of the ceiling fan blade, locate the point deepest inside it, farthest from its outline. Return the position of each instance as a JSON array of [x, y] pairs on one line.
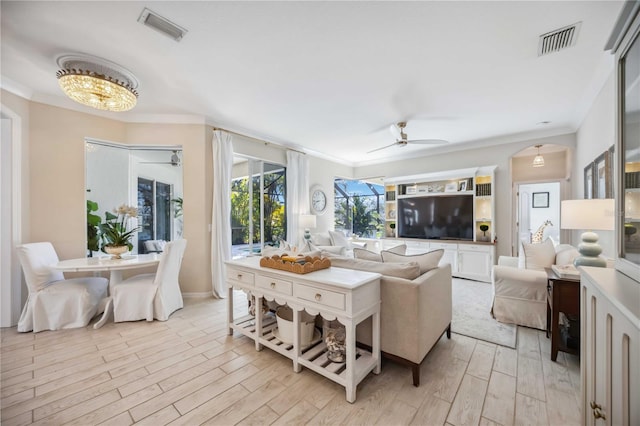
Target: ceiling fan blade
[[384, 147], [428, 141]]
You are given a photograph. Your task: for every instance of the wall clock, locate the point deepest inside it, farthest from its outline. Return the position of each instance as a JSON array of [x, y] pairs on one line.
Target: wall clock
[[318, 200]]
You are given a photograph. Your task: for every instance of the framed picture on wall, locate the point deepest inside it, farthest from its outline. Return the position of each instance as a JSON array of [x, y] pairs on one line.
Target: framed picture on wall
[[602, 176], [588, 181], [540, 200]]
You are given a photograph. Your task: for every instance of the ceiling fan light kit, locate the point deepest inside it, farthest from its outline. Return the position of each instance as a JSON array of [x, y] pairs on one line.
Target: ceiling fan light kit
[[97, 83], [397, 130]]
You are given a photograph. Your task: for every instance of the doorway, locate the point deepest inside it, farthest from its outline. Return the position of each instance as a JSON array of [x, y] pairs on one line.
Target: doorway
[[538, 210]]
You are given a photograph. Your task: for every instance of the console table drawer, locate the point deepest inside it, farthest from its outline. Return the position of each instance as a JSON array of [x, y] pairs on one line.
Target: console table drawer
[[274, 284], [239, 276], [320, 296]]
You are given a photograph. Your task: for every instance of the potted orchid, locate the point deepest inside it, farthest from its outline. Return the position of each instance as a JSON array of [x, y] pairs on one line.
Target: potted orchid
[[116, 231]]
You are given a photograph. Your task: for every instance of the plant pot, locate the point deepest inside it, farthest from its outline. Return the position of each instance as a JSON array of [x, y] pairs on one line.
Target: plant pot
[[284, 317], [116, 252]]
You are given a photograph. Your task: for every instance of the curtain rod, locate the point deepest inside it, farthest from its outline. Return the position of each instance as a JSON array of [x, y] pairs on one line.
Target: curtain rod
[[260, 140]]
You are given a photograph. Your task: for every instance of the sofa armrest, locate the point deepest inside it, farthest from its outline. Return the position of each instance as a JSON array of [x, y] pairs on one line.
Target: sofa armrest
[[519, 283]]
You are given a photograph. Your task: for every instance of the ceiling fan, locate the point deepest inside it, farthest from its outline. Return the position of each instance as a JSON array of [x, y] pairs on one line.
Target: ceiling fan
[[401, 138], [174, 161]]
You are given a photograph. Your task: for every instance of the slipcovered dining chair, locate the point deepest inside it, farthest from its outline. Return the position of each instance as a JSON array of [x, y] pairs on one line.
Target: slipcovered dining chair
[[54, 302], [149, 296]]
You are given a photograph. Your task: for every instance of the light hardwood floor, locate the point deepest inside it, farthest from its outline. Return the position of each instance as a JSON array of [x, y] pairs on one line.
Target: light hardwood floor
[[188, 371]]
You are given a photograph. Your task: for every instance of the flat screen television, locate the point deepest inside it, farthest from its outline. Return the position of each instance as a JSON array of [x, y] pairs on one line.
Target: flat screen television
[[444, 217]]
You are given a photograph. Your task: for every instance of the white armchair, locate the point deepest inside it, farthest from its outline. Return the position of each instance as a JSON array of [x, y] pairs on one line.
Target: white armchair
[[520, 285], [149, 296], [54, 302]]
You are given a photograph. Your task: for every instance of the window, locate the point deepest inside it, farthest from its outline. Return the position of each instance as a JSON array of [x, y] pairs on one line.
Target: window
[[359, 207], [154, 211], [257, 221]]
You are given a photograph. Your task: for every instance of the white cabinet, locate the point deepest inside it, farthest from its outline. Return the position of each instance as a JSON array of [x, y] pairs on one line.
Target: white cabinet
[[610, 347], [449, 256], [475, 262], [467, 260]]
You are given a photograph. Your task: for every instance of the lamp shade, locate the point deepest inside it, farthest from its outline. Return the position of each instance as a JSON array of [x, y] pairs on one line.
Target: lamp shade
[[587, 215], [595, 214], [308, 221]]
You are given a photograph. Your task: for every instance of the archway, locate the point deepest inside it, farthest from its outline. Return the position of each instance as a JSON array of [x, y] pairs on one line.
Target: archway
[[537, 192]]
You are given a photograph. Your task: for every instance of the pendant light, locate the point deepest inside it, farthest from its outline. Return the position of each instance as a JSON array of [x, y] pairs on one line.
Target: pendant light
[[538, 161]]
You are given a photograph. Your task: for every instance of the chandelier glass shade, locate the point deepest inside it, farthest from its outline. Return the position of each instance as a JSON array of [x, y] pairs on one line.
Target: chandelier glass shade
[[538, 161], [97, 83]]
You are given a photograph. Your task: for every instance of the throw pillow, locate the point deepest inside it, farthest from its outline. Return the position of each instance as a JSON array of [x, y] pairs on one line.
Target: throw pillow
[[401, 249], [426, 261], [408, 271], [338, 239], [539, 256], [565, 254], [321, 239], [359, 253], [340, 250]]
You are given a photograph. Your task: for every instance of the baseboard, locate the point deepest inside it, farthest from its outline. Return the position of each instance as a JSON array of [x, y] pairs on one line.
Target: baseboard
[[199, 295]]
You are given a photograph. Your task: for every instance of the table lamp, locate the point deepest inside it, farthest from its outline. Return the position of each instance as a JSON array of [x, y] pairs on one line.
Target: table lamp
[[307, 221], [588, 215]]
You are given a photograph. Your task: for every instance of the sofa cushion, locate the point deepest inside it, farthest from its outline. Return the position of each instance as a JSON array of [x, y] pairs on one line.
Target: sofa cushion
[[539, 256], [321, 239], [364, 254], [400, 249], [426, 261], [409, 270], [338, 239]]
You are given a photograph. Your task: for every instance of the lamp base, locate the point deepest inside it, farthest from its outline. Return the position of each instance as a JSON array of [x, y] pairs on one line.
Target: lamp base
[[307, 234], [589, 251]]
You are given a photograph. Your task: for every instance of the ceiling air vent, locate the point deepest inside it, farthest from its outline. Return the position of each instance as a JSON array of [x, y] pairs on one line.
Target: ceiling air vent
[[557, 40], [160, 24]]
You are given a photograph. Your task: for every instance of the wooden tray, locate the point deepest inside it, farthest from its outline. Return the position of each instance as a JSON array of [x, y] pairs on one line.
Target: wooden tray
[[297, 264]]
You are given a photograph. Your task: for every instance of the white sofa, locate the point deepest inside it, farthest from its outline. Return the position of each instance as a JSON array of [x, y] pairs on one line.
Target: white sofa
[[416, 306], [520, 284]]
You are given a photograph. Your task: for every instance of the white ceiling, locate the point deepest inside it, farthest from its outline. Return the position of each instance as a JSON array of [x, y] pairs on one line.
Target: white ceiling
[[329, 77]]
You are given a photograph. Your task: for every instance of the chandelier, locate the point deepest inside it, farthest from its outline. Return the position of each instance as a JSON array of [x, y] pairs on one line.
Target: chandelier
[[97, 83], [538, 161]]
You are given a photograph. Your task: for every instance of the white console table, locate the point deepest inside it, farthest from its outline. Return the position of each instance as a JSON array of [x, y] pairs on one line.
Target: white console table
[[335, 293]]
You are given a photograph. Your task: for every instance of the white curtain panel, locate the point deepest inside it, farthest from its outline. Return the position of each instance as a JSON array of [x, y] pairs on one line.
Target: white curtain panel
[[221, 211], [297, 194]]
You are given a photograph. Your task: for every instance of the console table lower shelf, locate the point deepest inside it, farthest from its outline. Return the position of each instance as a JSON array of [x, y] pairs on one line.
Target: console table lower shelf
[[334, 293]]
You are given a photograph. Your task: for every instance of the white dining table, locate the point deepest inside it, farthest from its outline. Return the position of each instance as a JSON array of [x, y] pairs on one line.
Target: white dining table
[[114, 267]]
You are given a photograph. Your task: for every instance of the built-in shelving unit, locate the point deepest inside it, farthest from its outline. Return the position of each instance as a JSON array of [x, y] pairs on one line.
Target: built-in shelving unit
[[476, 182], [472, 255]]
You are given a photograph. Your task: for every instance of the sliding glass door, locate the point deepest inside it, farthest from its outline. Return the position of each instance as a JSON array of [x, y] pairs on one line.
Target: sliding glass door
[[154, 211], [258, 206]]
